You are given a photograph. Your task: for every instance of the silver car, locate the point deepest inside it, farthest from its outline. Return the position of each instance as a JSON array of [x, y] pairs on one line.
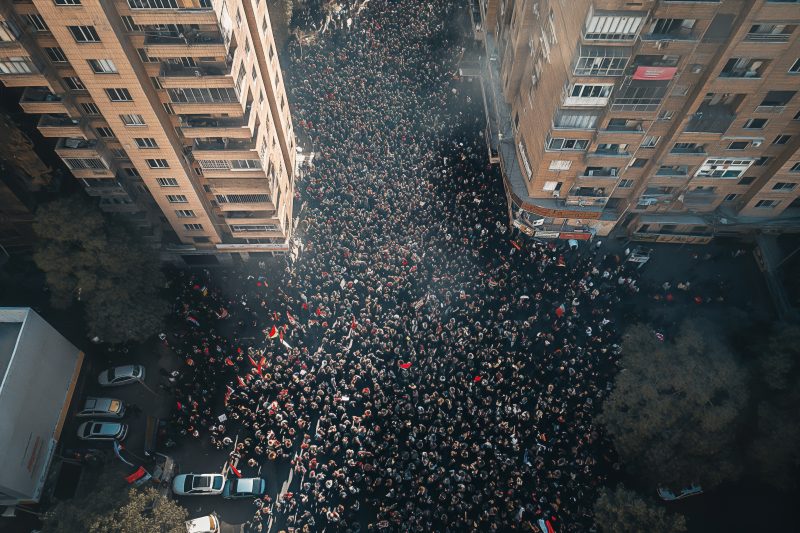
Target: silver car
[[121, 375], [96, 430], [103, 407]]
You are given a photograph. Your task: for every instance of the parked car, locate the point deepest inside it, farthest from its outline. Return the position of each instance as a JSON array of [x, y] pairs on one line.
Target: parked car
[[204, 524], [96, 430], [198, 484], [121, 375], [110, 407], [246, 487]]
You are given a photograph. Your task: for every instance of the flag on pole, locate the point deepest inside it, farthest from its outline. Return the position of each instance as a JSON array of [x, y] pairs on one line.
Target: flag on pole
[[235, 471], [229, 361], [241, 381], [273, 332]]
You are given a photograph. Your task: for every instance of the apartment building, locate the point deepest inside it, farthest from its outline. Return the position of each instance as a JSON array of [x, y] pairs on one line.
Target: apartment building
[[171, 110], [670, 120]]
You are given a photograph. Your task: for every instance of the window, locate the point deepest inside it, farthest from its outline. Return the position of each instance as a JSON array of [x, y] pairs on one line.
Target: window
[[552, 186], [17, 65], [119, 95], [762, 161], [731, 197], [666, 115], [130, 25], [132, 172], [184, 213], [153, 4], [245, 164], [639, 162], [119, 153], [56, 54], [90, 108], [104, 132], [744, 67], [102, 66], [650, 141], [145, 142], [591, 91], [784, 186], [523, 154], [67, 2], [782, 139], [74, 83], [215, 164], [132, 120], [601, 61], [157, 163], [193, 227], [795, 68], [36, 22], [625, 184], [777, 98], [177, 198], [738, 145], [567, 144], [167, 182], [612, 28], [574, 120], [192, 96], [747, 180], [560, 164], [767, 204], [795, 168], [168, 108], [723, 168], [755, 124], [84, 34]]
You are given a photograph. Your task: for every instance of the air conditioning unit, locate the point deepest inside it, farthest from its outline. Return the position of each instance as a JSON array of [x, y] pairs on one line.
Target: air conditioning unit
[[556, 194], [757, 143], [662, 44]]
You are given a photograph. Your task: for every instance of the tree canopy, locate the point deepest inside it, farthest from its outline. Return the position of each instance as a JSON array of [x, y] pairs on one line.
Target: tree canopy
[[623, 511], [102, 263], [114, 507], [676, 407]]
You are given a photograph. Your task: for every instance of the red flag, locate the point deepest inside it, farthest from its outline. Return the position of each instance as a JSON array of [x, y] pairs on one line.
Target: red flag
[[180, 406], [353, 324], [318, 311], [477, 379], [228, 361], [235, 471], [281, 334], [241, 381], [252, 361], [560, 311], [405, 365], [273, 332]]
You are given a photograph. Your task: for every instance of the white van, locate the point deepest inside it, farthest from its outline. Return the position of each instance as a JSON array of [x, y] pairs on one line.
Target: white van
[[204, 524]]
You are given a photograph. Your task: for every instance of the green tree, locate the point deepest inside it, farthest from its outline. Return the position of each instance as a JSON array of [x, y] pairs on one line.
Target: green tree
[[115, 507], [102, 263], [623, 511], [676, 407], [775, 450]]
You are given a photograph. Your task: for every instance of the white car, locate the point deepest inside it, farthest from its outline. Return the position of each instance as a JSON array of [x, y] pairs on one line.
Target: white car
[[198, 484], [94, 430], [121, 375], [110, 407], [204, 524]]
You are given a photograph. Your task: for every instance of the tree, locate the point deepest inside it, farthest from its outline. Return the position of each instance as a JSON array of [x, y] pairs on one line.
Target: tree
[[623, 511], [115, 507], [103, 264], [775, 450], [676, 407]]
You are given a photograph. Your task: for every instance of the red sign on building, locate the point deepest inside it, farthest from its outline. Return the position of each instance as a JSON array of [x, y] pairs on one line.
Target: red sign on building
[[654, 73]]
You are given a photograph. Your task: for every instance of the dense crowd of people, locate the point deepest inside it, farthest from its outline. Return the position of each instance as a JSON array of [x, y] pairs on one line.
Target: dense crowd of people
[[420, 366]]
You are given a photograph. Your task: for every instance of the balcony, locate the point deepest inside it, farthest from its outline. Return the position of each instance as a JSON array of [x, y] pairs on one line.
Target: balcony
[[229, 148], [609, 153], [767, 37], [211, 75], [183, 15], [677, 171], [26, 75], [587, 196], [202, 127], [600, 172], [667, 29], [700, 197], [191, 44], [711, 119], [234, 109], [586, 101], [60, 126], [39, 100], [70, 147], [689, 149]]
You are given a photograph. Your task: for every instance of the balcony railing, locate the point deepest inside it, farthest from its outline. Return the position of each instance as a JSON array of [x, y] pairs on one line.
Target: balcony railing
[[204, 69], [586, 101], [639, 105], [604, 173], [39, 95], [770, 109], [609, 153], [222, 145], [767, 37], [673, 172], [51, 121], [697, 150], [189, 38]]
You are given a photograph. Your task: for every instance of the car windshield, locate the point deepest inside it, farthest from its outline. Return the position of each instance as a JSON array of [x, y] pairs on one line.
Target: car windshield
[[90, 404], [187, 485], [87, 430], [218, 482]]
